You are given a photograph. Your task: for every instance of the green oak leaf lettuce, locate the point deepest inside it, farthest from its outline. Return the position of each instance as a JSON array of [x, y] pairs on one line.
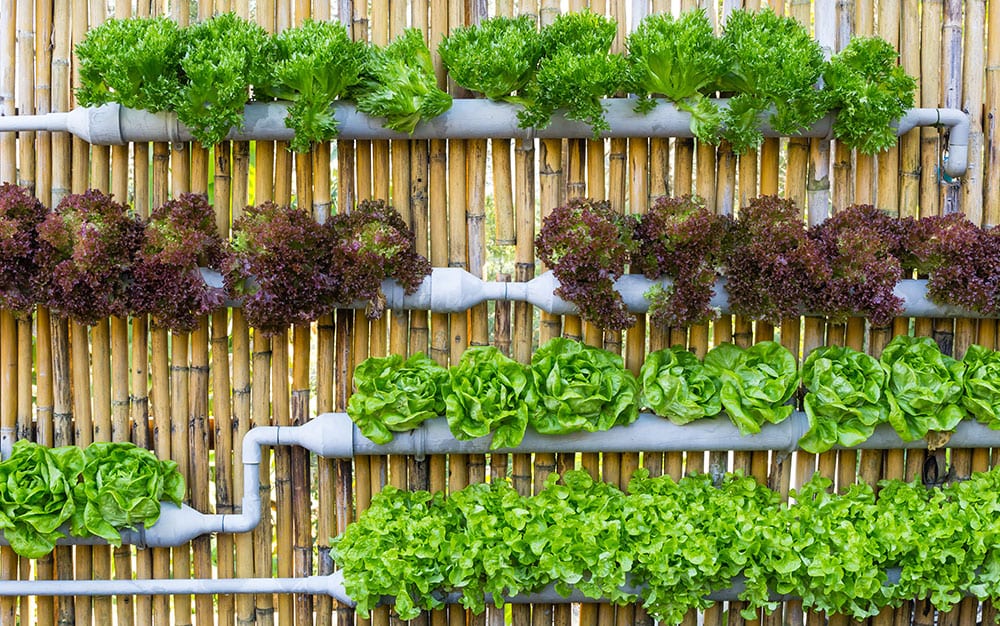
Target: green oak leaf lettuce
[[845, 400], [982, 385], [122, 486], [580, 388], [757, 382], [926, 384], [675, 385], [36, 495], [393, 395], [487, 394]]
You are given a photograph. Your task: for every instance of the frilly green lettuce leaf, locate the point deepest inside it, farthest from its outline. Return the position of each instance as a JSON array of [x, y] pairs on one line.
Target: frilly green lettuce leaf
[[487, 394], [757, 382], [982, 385], [675, 385]]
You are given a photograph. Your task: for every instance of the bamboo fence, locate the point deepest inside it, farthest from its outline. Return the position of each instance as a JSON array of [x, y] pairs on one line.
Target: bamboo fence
[[474, 204]]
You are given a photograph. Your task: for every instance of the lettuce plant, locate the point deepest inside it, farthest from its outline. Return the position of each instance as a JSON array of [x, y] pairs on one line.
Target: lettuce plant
[[392, 395], [135, 62], [180, 238], [981, 395], [926, 384], [580, 388], [36, 495], [279, 263], [487, 394], [757, 382], [680, 239], [372, 243], [20, 215], [587, 245], [122, 486], [399, 84], [845, 398], [681, 59], [675, 385], [87, 249], [315, 64]]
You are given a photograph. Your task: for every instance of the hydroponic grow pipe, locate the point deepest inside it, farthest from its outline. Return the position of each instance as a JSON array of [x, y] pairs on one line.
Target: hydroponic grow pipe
[[112, 124]]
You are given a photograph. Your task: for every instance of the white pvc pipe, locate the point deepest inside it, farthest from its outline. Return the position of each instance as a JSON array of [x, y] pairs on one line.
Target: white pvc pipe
[[112, 124]]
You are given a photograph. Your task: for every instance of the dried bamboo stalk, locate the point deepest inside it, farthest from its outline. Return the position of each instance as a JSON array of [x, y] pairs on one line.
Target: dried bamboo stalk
[[260, 396], [930, 95], [283, 527]]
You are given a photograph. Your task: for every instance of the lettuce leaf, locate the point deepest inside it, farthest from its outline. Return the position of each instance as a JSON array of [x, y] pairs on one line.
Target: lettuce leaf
[[580, 388], [757, 382], [675, 385], [487, 394], [982, 385], [845, 399]]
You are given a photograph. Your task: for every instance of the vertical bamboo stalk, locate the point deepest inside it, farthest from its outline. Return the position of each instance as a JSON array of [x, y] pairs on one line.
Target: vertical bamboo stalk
[[8, 421], [930, 96]]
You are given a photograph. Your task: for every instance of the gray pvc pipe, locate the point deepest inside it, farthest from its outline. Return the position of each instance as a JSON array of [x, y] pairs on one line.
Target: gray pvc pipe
[[112, 124]]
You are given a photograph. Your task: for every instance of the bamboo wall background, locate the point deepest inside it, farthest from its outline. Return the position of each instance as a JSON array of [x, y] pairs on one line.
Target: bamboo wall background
[[192, 397]]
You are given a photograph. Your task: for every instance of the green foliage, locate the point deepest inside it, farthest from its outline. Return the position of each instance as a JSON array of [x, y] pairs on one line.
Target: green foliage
[[757, 382], [392, 395], [981, 395], [497, 57], [316, 63], [223, 56], [122, 486], [399, 84], [135, 62], [487, 393], [845, 399], [925, 384], [773, 63], [580, 388], [869, 91], [681, 59], [676, 385]]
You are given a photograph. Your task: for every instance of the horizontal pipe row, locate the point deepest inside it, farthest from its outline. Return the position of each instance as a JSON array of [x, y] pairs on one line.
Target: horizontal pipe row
[[112, 124]]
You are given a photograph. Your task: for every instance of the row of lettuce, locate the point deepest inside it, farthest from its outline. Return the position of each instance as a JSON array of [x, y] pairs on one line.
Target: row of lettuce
[[770, 65], [91, 257], [669, 544], [96, 491], [570, 387]]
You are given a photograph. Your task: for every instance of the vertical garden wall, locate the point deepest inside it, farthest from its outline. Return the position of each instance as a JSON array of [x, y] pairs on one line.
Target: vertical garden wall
[[473, 204]]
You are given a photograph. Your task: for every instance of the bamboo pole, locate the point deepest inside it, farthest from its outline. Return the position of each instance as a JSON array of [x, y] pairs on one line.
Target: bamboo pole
[[9, 566], [260, 397], [930, 95]]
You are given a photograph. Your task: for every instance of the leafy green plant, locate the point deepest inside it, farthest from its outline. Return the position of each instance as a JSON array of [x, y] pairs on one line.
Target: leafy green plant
[[925, 384], [580, 388], [122, 486], [315, 64], [981, 395], [36, 495], [845, 398], [681, 59], [497, 57], [487, 394], [223, 56], [393, 395], [20, 215], [869, 91], [676, 385], [773, 63], [135, 62], [399, 84], [757, 382]]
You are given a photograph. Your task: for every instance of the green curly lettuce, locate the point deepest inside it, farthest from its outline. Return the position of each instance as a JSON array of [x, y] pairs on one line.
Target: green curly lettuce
[[982, 385], [36, 495], [496, 57], [122, 486], [757, 382], [392, 395], [675, 385], [845, 400], [316, 63], [682, 59], [926, 384], [399, 84], [870, 91], [134, 62], [580, 388], [487, 394]]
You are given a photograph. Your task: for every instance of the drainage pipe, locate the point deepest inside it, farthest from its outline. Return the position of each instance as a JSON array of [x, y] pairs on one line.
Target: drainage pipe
[[112, 124]]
